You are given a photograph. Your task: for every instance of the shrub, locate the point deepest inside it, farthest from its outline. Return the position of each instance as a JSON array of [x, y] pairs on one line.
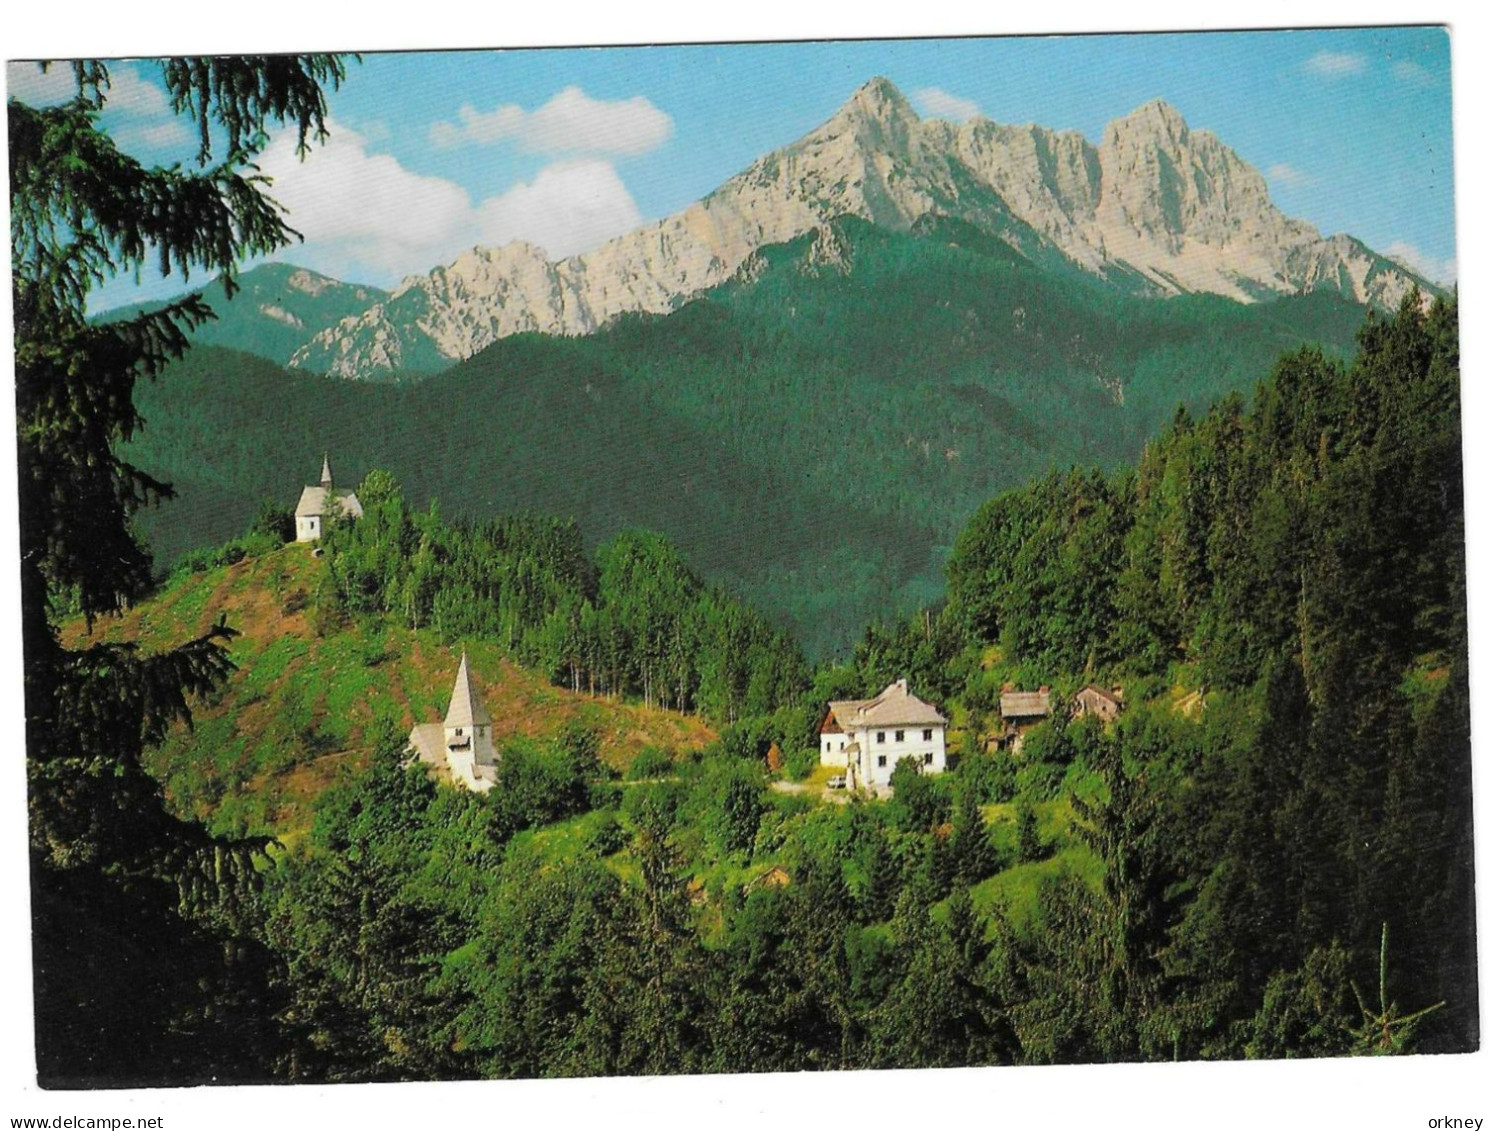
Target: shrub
[[919, 801], [1040, 781], [607, 834], [274, 522], [651, 762], [800, 762], [735, 805], [652, 806], [991, 776]]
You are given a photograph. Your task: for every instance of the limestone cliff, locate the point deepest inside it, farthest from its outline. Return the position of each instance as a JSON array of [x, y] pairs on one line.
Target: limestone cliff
[[1155, 205]]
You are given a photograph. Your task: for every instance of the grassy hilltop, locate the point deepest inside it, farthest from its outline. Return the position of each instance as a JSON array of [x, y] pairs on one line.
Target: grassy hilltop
[[303, 710]]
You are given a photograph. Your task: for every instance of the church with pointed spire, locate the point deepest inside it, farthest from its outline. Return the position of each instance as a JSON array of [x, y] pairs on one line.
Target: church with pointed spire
[[316, 502], [462, 746]]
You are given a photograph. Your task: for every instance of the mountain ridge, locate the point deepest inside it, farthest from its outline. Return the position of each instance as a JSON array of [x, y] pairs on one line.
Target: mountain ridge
[[277, 310], [1156, 207], [780, 429]]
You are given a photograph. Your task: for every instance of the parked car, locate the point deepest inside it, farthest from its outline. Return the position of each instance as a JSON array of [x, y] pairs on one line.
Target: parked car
[[836, 782]]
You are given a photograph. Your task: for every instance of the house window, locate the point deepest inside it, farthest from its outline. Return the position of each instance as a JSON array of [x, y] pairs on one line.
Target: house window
[[928, 758], [881, 736], [901, 736], [927, 736], [881, 760]]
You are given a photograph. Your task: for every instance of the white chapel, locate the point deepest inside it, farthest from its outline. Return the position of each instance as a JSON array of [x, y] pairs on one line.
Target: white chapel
[[314, 504], [460, 747]]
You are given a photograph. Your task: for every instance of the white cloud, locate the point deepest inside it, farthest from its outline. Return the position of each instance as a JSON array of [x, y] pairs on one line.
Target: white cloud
[[1289, 175], [128, 94], [569, 207], [941, 104], [173, 133], [133, 96], [1437, 270], [366, 208], [28, 83], [570, 122], [137, 112], [374, 130], [364, 212], [1336, 64], [1412, 73]]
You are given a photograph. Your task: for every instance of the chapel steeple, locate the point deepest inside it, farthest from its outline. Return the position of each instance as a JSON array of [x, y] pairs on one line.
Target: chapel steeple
[[467, 708], [462, 745]]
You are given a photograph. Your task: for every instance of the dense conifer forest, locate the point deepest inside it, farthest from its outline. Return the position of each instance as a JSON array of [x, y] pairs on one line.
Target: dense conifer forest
[[1283, 806], [1267, 853], [813, 434]]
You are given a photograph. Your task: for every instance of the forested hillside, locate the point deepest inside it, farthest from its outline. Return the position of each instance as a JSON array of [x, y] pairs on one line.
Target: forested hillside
[[1267, 854], [276, 309], [812, 434], [1287, 570]]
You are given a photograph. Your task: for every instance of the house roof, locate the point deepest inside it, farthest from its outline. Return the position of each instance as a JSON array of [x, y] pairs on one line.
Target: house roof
[[1026, 704], [841, 714], [428, 740], [776, 877], [893, 707], [466, 707], [1108, 696], [314, 502]]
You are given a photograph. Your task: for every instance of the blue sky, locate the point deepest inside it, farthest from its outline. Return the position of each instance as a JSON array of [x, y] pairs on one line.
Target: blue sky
[[433, 152]]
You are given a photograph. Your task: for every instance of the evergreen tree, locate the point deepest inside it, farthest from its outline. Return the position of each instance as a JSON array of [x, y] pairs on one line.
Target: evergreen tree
[[83, 211], [645, 994], [1028, 839], [969, 844]]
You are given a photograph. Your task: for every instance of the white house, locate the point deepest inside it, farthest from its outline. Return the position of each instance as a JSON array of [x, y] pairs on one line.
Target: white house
[[313, 505], [870, 736], [462, 745]]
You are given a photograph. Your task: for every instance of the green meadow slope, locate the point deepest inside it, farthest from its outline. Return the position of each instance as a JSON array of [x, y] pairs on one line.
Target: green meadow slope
[[305, 709]]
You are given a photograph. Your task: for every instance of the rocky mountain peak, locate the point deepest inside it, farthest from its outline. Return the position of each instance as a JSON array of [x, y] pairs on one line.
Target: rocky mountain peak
[[881, 99], [879, 116], [1156, 205], [1156, 119]]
